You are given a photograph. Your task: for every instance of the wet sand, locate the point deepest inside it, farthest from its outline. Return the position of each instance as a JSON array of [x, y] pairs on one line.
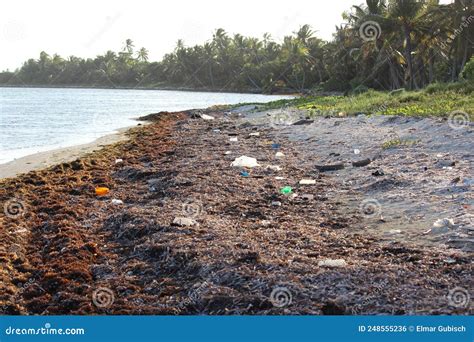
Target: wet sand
[[46, 159], [183, 232]]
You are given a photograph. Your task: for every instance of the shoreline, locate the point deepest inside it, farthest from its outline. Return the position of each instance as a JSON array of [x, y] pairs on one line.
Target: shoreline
[[46, 159], [194, 90]]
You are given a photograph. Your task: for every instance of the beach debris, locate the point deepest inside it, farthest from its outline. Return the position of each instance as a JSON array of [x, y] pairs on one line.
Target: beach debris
[[244, 161], [332, 263], [276, 146], [234, 139], [303, 122], [217, 130], [276, 203], [330, 167], [102, 191], [378, 173], [394, 232], [118, 161], [184, 222], [361, 163], [307, 182], [206, 117], [443, 163], [286, 190], [227, 152], [77, 165], [244, 173], [254, 134], [356, 151], [273, 167], [456, 180], [117, 201], [279, 155], [279, 178], [442, 226]]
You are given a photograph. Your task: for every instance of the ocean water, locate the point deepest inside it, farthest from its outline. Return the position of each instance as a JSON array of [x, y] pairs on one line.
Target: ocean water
[[40, 119]]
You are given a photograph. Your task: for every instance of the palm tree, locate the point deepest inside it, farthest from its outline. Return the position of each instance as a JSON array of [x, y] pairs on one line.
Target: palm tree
[[128, 47], [142, 55]]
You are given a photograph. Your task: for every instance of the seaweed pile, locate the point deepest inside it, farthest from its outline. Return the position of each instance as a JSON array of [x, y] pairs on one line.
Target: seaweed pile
[[183, 232]]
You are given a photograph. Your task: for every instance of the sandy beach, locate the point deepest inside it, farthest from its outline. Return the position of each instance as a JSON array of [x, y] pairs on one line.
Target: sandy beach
[[182, 231], [47, 159]]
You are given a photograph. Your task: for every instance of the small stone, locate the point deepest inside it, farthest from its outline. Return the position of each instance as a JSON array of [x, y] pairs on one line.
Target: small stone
[[378, 173], [273, 167], [279, 155], [332, 263], [117, 201], [233, 139], [254, 134], [356, 151], [307, 197], [184, 222], [361, 163], [307, 182], [118, 161], [276, 203]]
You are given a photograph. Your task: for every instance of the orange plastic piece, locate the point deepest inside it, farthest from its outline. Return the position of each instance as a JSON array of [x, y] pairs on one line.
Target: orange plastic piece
[[101, 191]]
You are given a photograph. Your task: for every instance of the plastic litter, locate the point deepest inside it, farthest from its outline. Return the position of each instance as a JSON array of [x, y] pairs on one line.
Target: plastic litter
[[244, 161], [244, 174], [117, 201], [207, 117], [286, 190], [332, 263], [233, 139], [255, 134], [118, 161], [102, 191], [276, 146], [307, 182], [227, 152], [279, 155], [356, 151], [279, 178]]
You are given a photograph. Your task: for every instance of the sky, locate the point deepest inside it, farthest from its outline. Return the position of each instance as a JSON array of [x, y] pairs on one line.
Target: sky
[[87, 28]]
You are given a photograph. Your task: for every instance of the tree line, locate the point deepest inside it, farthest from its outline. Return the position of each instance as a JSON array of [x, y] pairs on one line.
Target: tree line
[[382, 45]]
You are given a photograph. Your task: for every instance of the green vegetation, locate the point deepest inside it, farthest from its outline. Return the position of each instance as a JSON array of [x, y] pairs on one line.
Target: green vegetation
[[397, 143], [435, 100], [383, 45]]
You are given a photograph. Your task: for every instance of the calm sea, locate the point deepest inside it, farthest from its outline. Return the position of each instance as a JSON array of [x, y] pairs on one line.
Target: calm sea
[[39, 119]]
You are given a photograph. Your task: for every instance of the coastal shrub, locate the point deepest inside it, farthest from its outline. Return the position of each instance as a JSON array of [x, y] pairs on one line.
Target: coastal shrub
[[468, 71]]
